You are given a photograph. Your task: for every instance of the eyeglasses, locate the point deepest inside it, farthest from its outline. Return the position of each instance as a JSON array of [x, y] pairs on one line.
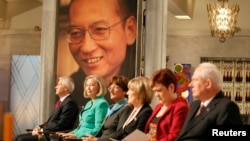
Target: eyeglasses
[[114, 88], [98, 31]]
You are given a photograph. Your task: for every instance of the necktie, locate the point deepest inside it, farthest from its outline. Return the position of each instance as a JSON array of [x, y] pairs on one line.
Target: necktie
[[200, 109], [58, 103]]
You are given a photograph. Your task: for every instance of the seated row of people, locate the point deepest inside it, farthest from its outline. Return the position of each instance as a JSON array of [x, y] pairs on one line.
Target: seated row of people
[[100, 122], [122, 118]]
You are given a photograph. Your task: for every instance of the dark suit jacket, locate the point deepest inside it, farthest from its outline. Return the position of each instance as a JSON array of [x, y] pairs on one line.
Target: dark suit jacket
[[139, 122], [219, 111], [62, 118], [171, 122], [115, 122]]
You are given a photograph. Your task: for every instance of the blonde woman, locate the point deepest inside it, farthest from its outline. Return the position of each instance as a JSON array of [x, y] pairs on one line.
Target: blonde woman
[[139, 96], [95, 110], [117, 113]]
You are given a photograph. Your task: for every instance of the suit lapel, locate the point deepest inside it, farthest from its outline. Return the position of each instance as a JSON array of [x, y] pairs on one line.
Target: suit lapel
[[55, 111], [193, 110], [156, 110], [112, 110], [115, 107], [192, 120]]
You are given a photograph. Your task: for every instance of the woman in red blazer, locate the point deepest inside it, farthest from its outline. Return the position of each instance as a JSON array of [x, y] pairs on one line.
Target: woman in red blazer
[[169, 115]]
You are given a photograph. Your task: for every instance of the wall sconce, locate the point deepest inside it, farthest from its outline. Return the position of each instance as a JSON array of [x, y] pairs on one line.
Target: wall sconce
[[223, 19]]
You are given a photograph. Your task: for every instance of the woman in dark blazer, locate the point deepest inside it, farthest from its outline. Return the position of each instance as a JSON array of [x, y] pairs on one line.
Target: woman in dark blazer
[[118, 112], [140, 96], [169, 115]]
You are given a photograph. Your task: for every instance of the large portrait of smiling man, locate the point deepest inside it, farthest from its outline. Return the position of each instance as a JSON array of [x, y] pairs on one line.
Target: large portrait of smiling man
[[100, 37]]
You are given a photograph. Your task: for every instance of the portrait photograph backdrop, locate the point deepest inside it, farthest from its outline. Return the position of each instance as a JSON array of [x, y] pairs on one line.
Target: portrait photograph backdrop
[[131, 66]]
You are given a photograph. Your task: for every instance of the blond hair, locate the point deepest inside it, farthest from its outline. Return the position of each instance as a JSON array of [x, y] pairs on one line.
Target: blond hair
[[100, 82], [141, 86]]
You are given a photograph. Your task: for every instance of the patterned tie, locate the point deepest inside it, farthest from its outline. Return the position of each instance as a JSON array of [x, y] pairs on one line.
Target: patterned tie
[[58, 103]]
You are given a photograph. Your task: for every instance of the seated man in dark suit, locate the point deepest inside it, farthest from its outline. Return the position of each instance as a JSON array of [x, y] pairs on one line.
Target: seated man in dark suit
[[217, 109], [248, 119], [63, 116]]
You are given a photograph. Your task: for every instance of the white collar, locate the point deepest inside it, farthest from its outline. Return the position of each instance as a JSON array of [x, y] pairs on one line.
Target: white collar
[[205, 103], [62, 98]]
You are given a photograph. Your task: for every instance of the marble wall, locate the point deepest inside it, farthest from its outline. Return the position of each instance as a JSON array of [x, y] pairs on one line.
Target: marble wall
[[189, 49]]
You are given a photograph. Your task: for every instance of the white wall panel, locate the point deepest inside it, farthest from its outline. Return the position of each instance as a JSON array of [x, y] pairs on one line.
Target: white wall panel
[[24, 93]]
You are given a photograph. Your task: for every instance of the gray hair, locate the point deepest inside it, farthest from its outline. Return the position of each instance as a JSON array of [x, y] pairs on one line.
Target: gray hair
[[68, 82], [212, 72]]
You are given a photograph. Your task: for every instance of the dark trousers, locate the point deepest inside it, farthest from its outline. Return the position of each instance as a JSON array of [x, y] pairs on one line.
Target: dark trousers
[[30, 137]]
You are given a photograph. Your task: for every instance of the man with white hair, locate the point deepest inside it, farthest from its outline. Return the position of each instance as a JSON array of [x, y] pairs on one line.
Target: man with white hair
[[206, 85], [63, 115]]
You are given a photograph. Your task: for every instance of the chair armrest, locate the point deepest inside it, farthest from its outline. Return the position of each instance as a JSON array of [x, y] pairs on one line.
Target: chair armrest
[[49, 132], [64, 131], [29, 130], [53, 132], [72, 139]]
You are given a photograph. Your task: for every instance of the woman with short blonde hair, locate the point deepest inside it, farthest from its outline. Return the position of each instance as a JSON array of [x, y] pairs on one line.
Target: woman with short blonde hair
[[139, 96]]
